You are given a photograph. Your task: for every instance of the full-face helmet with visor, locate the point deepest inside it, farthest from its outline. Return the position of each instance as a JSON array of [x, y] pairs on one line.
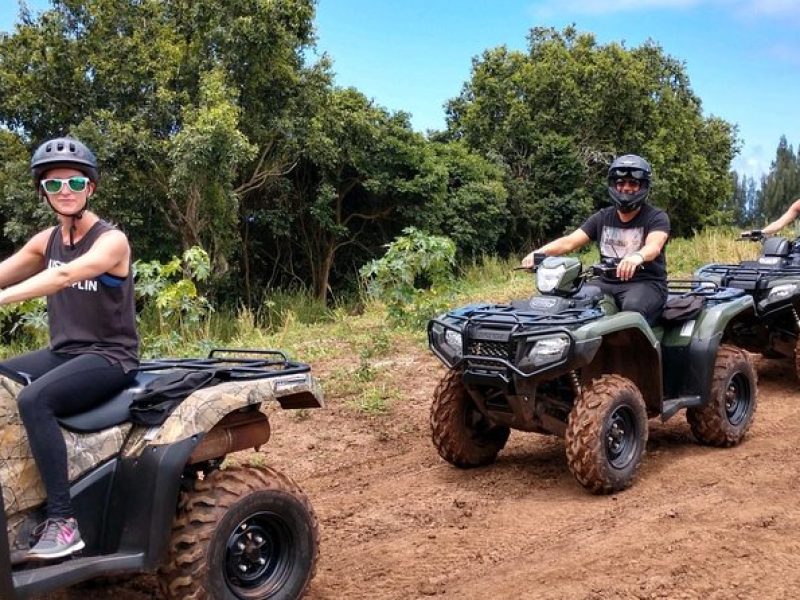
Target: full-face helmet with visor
[[629, 166]]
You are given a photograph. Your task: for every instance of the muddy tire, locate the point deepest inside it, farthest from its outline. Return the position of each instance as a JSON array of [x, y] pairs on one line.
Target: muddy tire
[[460, 432], [242, 533], [729, 413], [607, 434]]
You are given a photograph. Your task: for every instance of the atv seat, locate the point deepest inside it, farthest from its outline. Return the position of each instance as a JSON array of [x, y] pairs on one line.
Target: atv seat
[[110, 413], [776, 246]]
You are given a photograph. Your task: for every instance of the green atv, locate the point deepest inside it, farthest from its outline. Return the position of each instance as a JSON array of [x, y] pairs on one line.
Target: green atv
[[773, 281], [155, 498], [567, 362]]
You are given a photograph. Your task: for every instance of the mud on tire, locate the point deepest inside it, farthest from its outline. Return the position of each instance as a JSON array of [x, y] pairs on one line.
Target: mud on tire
[[460, 432], [729, 413], [607, 434], [244, 532]]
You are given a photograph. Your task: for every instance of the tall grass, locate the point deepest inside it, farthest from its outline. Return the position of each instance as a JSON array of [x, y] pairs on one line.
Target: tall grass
[[299, 323], [355, 338], [717, 244]]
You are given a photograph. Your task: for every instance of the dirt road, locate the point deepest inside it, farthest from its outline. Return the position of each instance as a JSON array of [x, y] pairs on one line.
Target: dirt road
[[397, 522]]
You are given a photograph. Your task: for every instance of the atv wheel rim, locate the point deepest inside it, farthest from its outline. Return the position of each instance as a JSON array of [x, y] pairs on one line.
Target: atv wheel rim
[[621, 442], [737, 399], [258, 555], [476, 424]]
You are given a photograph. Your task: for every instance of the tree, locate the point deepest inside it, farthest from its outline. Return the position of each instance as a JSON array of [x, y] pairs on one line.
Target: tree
[[186, 104], [558, 114], [361, 168], [781, 186], [470, 205]]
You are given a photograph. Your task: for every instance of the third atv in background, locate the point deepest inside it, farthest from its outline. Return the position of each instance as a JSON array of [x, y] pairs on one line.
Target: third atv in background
[[568, 363], [773, 281]]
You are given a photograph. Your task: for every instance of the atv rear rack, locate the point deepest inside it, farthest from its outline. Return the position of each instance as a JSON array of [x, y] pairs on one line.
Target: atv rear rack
[[255, 364]]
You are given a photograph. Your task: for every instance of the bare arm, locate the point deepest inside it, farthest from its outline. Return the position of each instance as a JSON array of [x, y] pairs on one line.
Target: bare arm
[[790, 215], [110, 251], [653, 244], [26, 261], [563, 245]]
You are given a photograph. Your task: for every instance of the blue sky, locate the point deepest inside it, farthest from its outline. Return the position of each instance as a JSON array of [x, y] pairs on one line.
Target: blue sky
[[742, 56]]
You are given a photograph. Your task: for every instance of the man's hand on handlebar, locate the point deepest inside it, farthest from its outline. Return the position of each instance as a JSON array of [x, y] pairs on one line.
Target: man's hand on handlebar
[[533, 260], [628, 265]]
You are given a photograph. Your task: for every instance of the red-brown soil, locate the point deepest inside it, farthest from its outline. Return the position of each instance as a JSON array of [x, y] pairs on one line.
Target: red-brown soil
[[398, 523]]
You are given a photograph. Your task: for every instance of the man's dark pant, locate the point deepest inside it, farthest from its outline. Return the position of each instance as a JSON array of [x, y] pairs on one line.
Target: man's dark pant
[[645, 297]]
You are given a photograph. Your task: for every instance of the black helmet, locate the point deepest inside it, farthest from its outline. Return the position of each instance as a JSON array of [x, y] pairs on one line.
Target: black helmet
[[63, 152], [629, 166]]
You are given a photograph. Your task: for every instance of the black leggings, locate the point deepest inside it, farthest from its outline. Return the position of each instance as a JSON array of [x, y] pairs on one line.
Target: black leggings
[[62, 385]]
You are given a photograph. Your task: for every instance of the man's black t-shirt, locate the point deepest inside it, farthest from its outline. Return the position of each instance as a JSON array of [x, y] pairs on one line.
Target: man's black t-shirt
[[618, 239]]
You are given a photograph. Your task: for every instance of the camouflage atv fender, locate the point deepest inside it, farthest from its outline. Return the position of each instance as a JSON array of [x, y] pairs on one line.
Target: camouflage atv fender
[[206, 407], [22, 485]]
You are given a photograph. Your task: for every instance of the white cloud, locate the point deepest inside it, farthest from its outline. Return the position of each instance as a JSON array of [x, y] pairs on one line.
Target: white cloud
[[549, 8], [771, 8], [753, 162], [768, 8], [785, 53], [774, 7]]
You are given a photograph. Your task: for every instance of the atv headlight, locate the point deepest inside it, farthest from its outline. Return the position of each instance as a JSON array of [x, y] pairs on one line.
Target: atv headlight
[[453, 339], [779, 292], [548, 278], [548, 350]]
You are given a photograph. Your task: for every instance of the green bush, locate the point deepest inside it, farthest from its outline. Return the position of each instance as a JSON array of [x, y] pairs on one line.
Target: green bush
[[414, 278]]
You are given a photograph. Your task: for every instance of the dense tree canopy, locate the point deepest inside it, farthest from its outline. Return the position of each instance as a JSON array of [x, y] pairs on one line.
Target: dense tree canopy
[[561, 111], [781, 186], [213, 128]]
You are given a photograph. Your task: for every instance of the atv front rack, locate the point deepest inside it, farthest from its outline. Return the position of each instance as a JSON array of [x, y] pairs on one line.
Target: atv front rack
[[236, 365], [506, 316]]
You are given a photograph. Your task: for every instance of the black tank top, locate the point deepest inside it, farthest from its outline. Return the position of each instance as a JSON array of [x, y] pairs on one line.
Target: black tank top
[[96, 316]]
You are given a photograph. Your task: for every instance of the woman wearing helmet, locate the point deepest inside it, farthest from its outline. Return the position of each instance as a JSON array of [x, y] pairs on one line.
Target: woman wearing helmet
[[83, 267], [631, 231]]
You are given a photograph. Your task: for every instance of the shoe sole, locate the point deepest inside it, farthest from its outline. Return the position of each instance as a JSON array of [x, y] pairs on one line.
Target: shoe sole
[[66, 552]]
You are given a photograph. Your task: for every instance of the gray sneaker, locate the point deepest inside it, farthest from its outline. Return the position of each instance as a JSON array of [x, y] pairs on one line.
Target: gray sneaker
[[59, 537]]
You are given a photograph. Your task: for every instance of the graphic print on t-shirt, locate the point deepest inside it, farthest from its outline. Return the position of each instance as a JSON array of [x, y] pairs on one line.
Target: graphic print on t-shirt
[[618, 242]]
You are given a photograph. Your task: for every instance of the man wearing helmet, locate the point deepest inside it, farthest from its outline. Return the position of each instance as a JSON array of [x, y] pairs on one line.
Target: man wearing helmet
[[83, 267], [631, 231]]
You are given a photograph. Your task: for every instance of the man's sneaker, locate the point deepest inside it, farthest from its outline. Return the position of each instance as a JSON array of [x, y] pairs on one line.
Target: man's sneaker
[[59, 537]]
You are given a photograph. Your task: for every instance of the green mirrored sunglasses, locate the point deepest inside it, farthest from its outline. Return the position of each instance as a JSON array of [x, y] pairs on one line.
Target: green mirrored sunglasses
[[76, 184]]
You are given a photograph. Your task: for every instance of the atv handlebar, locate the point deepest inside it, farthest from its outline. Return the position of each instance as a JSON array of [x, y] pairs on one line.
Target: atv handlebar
[[538, 258], [607, 267], [753, 235]]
